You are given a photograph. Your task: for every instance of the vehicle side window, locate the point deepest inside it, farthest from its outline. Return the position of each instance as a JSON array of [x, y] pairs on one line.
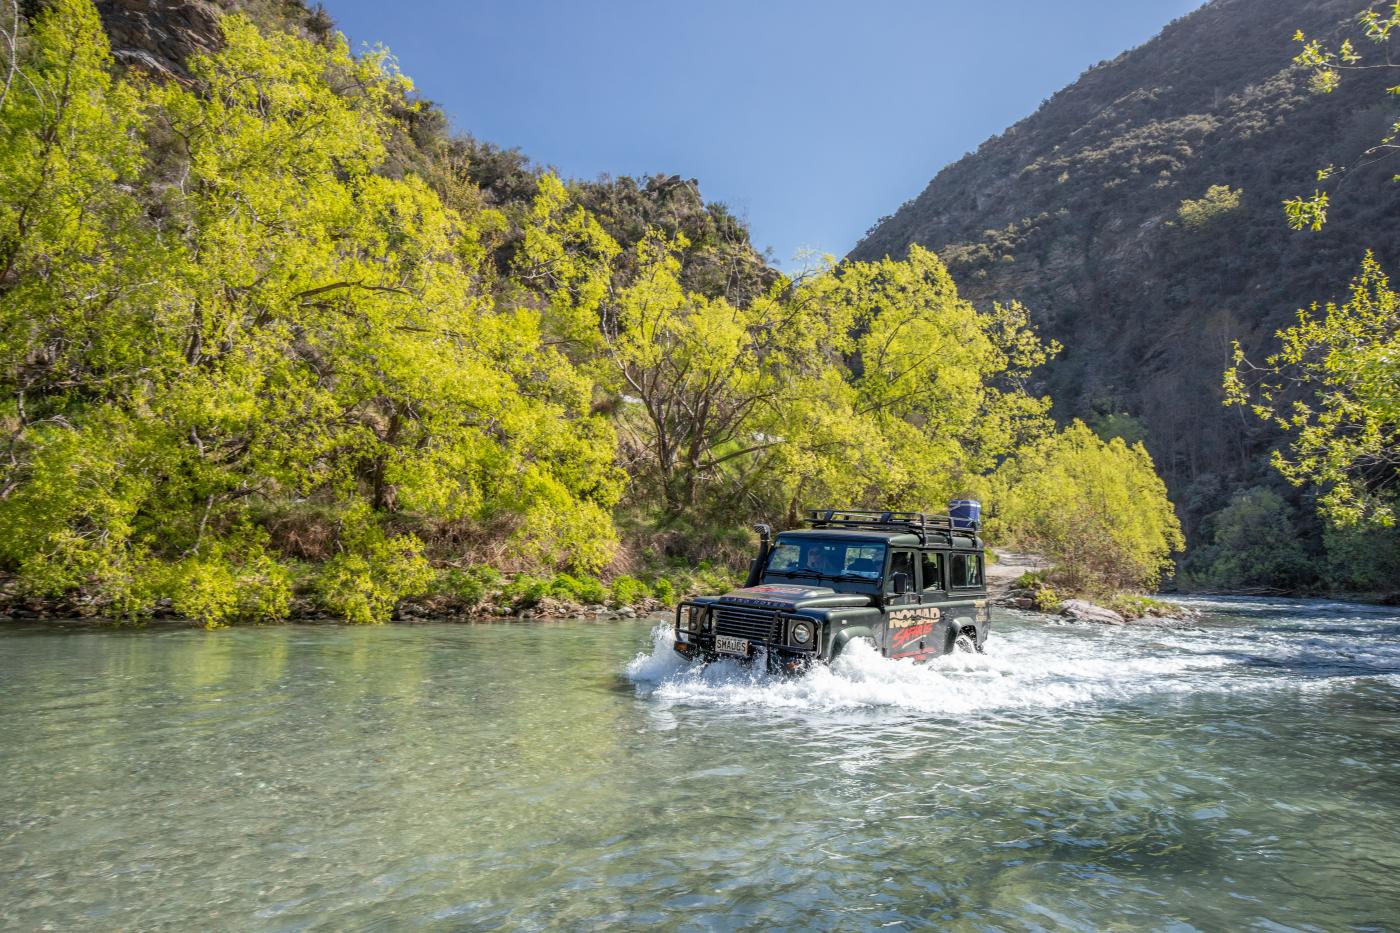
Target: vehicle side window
[[900, 562], [931, 566], [863, 561], [967, 570]]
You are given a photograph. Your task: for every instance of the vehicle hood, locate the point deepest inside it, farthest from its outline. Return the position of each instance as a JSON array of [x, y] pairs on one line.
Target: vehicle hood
[[792, 596]]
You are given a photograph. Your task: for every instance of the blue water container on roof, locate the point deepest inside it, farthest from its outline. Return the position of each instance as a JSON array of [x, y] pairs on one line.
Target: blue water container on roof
[[966, 514]]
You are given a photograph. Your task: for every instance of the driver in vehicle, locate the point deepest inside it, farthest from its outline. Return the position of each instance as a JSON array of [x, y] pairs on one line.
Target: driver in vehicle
[[819, 560]]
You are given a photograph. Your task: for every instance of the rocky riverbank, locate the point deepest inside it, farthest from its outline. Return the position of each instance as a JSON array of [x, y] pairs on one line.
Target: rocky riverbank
[[494, 607], [1021, 581]]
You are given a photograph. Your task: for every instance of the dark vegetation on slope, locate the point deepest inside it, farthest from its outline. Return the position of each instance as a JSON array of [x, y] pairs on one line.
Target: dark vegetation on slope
[[1138, 215]]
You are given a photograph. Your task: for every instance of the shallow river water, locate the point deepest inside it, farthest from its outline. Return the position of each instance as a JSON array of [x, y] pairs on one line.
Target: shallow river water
[[1240, 774]]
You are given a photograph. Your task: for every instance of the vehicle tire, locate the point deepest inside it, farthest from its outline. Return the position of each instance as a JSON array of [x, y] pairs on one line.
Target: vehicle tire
[[864, 639], [967, 643], [867, 640]]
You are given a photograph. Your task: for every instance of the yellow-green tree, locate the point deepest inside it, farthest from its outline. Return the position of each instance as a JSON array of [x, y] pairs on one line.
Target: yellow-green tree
[[867, 383], [216, 308], [1097, 509], [1334, 387]]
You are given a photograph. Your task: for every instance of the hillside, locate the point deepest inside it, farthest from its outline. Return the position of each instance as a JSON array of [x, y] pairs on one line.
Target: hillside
[[277, 344], [1076, 211]]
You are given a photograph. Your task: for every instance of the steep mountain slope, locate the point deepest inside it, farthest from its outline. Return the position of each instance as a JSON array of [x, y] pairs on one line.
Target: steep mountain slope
[[1078, 211]]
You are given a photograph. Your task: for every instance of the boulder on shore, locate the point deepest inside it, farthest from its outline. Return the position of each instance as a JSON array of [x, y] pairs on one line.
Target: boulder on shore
[[1081, 610]]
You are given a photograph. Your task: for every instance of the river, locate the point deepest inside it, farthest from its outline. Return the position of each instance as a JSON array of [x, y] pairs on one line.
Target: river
[[1239, 774]]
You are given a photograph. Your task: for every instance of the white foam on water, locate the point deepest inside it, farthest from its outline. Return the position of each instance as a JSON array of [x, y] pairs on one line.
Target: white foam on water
[[1038, 666], [1023, 669]]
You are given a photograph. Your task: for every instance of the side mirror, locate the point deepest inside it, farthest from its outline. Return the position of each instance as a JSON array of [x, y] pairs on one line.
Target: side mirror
[[901, 584]]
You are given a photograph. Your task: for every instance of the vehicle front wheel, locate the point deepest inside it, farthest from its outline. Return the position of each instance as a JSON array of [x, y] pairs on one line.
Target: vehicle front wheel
[[863, 639], [967, 642]]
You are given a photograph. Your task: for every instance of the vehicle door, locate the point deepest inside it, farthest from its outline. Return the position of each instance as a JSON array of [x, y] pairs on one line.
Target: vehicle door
[[933, 590], [966, 590], [903, 562], [901, 596]]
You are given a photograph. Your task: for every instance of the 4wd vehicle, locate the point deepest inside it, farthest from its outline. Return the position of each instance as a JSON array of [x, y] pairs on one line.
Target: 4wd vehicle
[[910, 584]]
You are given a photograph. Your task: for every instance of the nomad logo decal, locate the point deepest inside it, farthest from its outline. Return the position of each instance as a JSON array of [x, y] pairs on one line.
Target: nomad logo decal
[[904, 637], [903, 618]]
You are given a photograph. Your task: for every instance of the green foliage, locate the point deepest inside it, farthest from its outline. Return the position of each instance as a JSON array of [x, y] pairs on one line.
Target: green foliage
[[213, 303], [271, 315], [1119, 424], [1219, 202], [627, 591], [1334, 387], [1097, 509], [589, 591], [664, 590], [1030, 580], [217, 591], [527, 590], [1131, 606], [1253, 546], [1362, 558], [1047, 600], [872, 383], [468, 585], [1326, 66], [372, 572], [679, 578]]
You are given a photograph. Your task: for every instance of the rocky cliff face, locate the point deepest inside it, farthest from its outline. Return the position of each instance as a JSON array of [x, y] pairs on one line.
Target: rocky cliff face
[[1078, 212], [159, 36]]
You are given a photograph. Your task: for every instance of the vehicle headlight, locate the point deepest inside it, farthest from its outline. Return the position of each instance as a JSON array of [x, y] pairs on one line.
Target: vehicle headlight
[[692, 620], [801, 633]]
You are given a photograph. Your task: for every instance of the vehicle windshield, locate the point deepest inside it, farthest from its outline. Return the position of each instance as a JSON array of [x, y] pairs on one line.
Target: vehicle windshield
[[823, 557]]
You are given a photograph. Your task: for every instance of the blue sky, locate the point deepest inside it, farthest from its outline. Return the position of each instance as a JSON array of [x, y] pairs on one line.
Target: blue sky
[[809, 119]]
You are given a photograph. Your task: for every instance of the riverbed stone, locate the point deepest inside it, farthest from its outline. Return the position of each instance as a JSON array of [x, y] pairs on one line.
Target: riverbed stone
[[1081, 610]]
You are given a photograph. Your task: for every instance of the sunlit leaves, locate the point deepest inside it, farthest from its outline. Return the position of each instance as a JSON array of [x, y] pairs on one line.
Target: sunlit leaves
[[1334, 386], [1325, 67], [214, 305], [1097, 508]]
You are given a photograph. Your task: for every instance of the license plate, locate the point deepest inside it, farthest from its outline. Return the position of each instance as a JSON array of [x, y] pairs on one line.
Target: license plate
[[724, 644]]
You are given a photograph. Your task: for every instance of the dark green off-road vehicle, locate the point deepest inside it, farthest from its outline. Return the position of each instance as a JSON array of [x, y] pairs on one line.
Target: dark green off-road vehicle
[[910, 584]]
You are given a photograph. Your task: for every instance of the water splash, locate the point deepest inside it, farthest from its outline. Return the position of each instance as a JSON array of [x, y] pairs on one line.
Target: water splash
[[1020, 670], [1033, 666]]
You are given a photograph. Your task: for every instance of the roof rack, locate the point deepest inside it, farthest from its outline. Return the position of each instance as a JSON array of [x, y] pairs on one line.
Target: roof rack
[[915, 523]]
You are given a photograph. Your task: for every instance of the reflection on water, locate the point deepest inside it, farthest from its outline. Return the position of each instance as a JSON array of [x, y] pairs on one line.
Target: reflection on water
[[1238, 774]]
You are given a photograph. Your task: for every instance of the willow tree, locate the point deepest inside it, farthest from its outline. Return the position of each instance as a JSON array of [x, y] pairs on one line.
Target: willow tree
[[941, 390], [868, 383], [1097, 508], [216, 310]]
